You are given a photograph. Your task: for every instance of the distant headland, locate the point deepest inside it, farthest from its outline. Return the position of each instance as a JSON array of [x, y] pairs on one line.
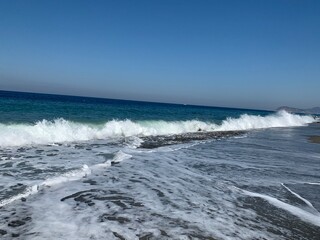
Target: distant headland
[[315, 110]]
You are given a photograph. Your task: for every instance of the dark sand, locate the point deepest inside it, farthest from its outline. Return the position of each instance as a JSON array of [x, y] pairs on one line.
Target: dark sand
[[314, 139], [165, 140]]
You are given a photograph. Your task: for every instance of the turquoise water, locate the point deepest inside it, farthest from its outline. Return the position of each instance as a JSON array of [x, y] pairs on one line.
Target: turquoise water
[[87, 168], [29, 107]]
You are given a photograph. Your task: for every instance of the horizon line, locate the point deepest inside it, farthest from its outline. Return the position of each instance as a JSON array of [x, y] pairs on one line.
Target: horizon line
[[132, 100]]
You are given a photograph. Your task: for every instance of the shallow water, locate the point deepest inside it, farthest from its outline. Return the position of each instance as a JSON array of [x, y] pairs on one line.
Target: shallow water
[[262, 185]]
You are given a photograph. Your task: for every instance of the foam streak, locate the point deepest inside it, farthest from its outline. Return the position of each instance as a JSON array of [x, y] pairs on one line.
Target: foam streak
[[304, 215], [66, 177], [298, 196]]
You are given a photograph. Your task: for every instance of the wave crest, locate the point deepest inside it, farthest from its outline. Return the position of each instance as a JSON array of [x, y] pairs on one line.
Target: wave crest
[[60, 130], [279, 119]]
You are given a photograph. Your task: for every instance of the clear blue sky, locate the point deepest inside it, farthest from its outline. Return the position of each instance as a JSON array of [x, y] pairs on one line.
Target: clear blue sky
[[253, 54]]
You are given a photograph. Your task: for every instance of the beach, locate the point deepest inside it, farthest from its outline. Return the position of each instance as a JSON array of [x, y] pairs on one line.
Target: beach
[[81, 168]]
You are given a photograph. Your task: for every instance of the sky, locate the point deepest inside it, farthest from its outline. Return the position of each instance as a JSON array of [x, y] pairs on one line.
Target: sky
[[258, 54]]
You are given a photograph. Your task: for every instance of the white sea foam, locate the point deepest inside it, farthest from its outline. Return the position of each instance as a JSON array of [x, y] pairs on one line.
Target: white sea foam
[[29, 191], [60, 130], [120, 156], [280, 119], [134, 142], [301, 198], [313, 183], [66, 177], [72, 175], [302, 214]]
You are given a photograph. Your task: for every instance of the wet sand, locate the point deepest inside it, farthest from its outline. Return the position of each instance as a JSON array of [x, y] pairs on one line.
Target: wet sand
[[165, 140], [314, 139]]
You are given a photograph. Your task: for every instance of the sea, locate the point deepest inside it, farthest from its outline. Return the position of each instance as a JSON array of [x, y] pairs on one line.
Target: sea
[[90, 168]]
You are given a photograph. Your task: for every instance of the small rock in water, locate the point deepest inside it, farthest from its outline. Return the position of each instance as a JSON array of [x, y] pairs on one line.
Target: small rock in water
[[146, 237], [118, 236], [15, 235], [16, 223]]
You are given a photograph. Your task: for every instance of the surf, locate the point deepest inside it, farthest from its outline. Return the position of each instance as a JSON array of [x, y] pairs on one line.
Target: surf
[[61, 130]]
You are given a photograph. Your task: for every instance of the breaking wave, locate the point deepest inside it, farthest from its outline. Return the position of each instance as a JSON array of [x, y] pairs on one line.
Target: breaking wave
[[61, 130]]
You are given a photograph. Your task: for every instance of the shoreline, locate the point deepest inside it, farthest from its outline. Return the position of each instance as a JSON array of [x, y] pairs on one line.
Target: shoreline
[[166, 140]]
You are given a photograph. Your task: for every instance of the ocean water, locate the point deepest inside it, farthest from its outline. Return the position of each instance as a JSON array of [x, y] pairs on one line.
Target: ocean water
[[87, 168]]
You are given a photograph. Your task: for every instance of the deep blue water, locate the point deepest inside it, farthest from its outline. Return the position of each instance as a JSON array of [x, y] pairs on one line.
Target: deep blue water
[[18, 107]]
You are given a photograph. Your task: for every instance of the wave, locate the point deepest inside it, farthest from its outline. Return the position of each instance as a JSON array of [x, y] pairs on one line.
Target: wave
[[61, 130], [279, 119]]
